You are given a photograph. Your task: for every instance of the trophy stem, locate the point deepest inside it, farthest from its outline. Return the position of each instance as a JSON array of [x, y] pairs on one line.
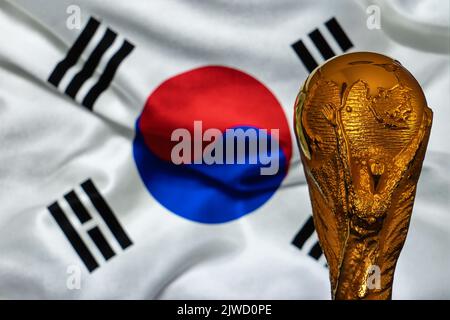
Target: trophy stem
[[360, 275]]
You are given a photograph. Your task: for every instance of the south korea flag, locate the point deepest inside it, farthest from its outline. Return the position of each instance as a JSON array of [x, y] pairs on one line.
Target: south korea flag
[[97, 98]]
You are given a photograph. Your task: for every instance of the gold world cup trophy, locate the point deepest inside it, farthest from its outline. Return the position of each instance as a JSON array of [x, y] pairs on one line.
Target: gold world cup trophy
[[362, 125]]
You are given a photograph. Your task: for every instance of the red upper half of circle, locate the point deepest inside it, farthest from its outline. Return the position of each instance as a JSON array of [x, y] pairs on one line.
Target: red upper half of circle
[[220, 97]]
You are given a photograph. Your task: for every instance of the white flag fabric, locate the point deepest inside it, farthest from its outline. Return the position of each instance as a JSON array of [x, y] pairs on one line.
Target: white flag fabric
[[91, 208]]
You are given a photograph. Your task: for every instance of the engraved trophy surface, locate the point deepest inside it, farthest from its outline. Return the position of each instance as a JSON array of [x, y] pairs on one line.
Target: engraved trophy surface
[[362, 124]]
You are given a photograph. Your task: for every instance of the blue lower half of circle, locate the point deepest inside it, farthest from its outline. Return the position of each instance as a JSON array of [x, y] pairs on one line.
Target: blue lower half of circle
[[205, 193]]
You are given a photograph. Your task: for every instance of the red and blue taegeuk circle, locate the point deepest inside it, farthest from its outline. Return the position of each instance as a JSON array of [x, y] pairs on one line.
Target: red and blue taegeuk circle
[[222, 98]]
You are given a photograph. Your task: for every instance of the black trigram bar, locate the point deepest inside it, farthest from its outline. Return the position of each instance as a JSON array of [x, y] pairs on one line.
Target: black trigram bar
[[74, 52], [316, 251], [108, 74], [321, 44], [94, 232], [303, 235], [305, 232], [338, 33], [102, 244], [77, 207], [73, 237], [106, 213], [91, 64], [304, 55]]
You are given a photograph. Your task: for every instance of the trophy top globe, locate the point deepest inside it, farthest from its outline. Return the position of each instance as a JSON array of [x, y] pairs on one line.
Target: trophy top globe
[[380, 106]]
